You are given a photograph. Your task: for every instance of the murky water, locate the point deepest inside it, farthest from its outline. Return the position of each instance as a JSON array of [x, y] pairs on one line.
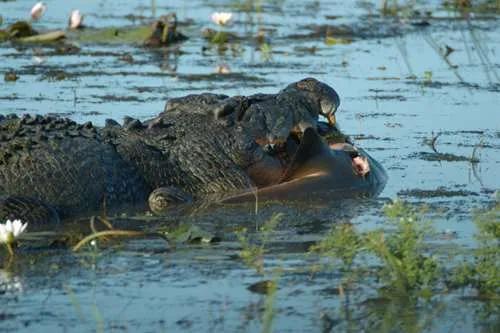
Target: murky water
[[397, 91]]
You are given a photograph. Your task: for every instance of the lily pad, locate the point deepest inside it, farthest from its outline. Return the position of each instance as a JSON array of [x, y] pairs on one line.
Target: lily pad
[[44, 38], [136, 34]]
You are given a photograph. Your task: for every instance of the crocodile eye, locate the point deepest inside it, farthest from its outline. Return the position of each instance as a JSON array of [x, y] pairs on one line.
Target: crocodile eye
[[270, 148]]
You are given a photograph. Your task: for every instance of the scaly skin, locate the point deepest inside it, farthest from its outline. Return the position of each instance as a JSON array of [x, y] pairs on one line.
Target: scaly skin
[[200, 146], [49, 163], [270, 118], [69, 166]]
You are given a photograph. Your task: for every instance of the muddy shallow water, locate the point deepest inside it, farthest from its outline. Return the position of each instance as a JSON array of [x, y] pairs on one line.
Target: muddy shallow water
[[398, 92]]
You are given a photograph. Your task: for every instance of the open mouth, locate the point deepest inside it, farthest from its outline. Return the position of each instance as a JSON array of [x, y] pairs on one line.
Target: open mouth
[[284, 150]]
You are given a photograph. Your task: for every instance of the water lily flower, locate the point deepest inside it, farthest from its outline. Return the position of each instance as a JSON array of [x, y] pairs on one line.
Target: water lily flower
[[38, 9], [11, 230], [222, 69], [75, 19], [221, 18], [38, 60]]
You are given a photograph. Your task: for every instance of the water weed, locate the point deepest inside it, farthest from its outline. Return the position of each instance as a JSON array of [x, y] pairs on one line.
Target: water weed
[[403, 267], [252, 252], [483, 271]]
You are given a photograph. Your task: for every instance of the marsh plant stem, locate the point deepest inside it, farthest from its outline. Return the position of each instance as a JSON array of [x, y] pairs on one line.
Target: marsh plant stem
[[10, 249], [113, 233]]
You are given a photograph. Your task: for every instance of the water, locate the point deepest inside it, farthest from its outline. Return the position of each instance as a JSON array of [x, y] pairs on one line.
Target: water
[[397, 91]]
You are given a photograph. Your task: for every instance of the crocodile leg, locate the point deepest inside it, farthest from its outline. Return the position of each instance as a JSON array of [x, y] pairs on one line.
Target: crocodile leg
[[163, 198]]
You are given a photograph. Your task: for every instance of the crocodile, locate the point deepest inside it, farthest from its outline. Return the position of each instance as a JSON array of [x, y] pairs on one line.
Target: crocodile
[[52, 168]]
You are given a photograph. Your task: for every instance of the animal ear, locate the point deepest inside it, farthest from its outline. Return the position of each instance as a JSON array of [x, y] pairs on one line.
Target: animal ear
[[310, 146]]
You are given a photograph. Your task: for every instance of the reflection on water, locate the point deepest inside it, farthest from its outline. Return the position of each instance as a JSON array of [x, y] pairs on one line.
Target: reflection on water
[[10, 283]]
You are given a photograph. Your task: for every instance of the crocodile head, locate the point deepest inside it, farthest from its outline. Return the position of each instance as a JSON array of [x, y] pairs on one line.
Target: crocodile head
[[323, 99]]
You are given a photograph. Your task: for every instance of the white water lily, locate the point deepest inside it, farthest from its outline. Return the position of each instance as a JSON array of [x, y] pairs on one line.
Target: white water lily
[[222, 69], [38, 9], [11, 230], [75, 19], [221, 18]]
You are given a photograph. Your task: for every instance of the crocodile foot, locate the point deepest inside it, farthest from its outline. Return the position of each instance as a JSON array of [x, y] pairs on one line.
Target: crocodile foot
[[163, 198]]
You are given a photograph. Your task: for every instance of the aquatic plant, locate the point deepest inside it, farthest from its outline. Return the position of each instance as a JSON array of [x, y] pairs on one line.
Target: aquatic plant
[[221, 18], [266, 51], [75, 19], [466, 6], [252, 252], [483, 272], [342, 242], [38, 10], [405, 268], [270, 298], [10, 231], [395, 8], [427, 77]]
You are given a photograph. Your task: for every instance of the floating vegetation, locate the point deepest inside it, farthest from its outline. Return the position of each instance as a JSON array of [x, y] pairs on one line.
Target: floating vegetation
[[440, 192], [336, 41], [10, 76], [482, 273], [447, 157], [134, 34]]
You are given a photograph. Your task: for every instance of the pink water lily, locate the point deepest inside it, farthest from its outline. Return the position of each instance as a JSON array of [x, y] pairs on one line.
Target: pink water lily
[[11, 230], [75, 19], [38, 9]]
